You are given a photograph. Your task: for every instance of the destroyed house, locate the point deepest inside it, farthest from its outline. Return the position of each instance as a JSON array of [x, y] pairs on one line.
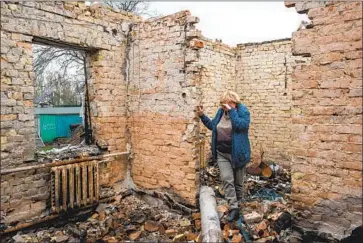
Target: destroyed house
[[144, 79]]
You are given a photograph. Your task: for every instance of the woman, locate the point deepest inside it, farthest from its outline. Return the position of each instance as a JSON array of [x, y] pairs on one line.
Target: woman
[[230, 146]]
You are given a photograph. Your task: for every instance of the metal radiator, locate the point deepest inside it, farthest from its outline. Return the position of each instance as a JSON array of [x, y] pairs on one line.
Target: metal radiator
[[74, 185]]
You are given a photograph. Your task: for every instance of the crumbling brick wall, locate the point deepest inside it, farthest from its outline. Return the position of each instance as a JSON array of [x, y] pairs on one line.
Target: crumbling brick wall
[[145, 83], [97, 30], [216, 65], [263, 74], [327, 118], [161, 103], [173, 69]]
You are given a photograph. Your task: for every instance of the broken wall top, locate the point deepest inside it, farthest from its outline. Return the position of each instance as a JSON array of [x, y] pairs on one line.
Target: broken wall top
[[71, 22]]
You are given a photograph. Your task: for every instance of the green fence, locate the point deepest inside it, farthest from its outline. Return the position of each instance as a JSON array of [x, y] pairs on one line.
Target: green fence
[[56, 126]]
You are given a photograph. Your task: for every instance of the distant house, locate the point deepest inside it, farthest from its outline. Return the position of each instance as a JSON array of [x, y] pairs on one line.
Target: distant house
[[55, 122]]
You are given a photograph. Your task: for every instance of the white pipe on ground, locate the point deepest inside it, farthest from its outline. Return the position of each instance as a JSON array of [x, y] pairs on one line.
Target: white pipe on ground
[[211, 229]]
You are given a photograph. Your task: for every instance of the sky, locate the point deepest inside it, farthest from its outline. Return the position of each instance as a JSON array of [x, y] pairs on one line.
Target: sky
[[238, 22]]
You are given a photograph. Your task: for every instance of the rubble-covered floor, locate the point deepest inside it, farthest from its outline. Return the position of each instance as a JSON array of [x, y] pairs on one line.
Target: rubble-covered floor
[[128, 218], [266, 211]]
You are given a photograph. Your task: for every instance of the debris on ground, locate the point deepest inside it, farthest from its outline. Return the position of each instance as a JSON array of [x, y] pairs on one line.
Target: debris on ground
[[127, 219], [266, 209], [279, 184], [137, 215], [67, 152], [77, 134]]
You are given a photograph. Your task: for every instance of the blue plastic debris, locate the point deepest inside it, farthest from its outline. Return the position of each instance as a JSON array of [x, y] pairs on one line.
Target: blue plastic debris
[[242, 230], [266, 194]]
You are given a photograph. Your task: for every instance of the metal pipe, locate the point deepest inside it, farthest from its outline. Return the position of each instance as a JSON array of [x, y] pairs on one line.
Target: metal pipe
[[63, 162]]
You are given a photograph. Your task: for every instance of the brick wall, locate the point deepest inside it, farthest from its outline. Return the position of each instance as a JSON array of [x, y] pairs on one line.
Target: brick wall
[[99, 30], [263, 77], [145, 84], [216, 64], [327, 118], [161, 103]]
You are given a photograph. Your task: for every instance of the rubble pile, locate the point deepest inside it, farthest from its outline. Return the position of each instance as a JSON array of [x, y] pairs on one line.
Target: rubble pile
[[279, 184], [260, 221], [265, 211], [67, 152], [125, 219], [77, 134], [268, 220]]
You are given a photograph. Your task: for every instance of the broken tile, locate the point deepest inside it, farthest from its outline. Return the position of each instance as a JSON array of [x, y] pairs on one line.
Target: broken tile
[[110, 239], [262, 240], [138, 218], [19, 238], [226, 231], [134, 235], [225, 234], [191, 236], [274, 216], [171, 232], [195, 216], [151, 226], [60, 238], [237, 238], [130, 228], [184, 223], [95, 216], [253, 217], [179, 238], [262, 225]]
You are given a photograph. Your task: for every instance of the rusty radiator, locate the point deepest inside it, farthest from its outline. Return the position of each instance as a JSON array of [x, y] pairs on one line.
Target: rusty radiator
[[74, 185]]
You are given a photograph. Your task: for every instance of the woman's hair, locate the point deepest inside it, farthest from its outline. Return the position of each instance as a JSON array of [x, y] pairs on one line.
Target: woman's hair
[[230, 96]]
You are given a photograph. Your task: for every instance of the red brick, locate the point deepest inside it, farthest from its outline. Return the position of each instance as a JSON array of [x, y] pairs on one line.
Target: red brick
[[354, 148], [197, 44], [350, 165], [327, 58]]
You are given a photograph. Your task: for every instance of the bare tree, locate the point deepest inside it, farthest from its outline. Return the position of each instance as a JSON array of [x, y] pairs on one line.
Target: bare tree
[[59, 75], [57, 90], [128, 6], [53, 65], [137, 7], [65, 58]]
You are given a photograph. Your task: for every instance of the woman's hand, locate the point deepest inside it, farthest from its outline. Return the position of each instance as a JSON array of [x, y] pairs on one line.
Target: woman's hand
[[226, 107], [200, 111]]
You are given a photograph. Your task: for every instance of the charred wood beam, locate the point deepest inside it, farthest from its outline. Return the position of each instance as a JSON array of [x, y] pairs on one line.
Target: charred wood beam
[[167, 198], [52, 217], [87, 110]]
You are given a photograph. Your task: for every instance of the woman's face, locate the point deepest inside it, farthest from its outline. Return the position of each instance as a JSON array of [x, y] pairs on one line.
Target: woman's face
[[230, 103]]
